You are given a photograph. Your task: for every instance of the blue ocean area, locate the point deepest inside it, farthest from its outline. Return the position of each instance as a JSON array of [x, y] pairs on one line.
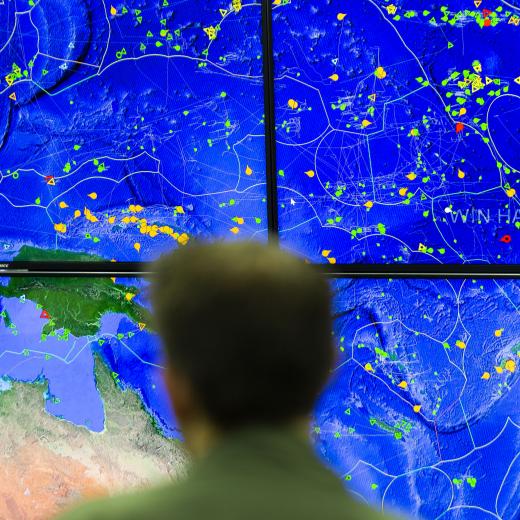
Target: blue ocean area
[[421, 414], [160, 118], [66, 364], [397, 134], [138, 365]]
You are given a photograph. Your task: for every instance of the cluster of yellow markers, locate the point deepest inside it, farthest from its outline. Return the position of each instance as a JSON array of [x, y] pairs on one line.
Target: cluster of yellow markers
[[151, 230]]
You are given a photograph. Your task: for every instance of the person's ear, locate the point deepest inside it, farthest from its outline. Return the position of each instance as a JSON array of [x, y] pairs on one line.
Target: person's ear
[[180, 392]]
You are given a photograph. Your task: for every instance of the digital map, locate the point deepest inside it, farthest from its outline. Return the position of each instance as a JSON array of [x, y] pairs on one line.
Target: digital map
[[83, 404], [129, 128], [398, 130], [421, 417]]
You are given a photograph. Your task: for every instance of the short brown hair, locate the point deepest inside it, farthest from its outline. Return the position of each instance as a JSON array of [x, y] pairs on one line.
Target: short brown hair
[[249, 325]]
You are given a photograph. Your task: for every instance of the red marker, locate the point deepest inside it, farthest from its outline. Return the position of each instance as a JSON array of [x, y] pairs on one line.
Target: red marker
[[506, 239], [487, 22], [485, 13], [459, 127], [45, 315]]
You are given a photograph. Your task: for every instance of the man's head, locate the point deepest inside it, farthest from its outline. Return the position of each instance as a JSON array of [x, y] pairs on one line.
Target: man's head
[[247, 332]]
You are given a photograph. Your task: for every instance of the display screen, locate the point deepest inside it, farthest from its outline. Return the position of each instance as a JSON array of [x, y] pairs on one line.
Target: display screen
[[83, 405], [421, 416], [130, 128], [397, 130]]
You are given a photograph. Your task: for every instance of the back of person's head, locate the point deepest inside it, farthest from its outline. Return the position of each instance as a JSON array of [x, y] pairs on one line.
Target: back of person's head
[[249, 327]]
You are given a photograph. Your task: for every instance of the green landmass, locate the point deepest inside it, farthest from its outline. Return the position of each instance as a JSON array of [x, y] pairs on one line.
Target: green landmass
[[35, 254], [76, 304], [7, 318]]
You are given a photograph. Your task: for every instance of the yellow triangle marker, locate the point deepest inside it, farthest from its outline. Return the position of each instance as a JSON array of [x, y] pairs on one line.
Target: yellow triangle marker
[[141, 326]]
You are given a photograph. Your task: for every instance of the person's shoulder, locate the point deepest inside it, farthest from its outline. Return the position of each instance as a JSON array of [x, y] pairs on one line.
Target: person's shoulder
[[187, 499], [338, 504], [367, 513], [143, 504], [200, 499]]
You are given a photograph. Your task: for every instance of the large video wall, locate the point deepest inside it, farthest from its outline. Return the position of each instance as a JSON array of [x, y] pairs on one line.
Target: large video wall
[[134, 127]]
